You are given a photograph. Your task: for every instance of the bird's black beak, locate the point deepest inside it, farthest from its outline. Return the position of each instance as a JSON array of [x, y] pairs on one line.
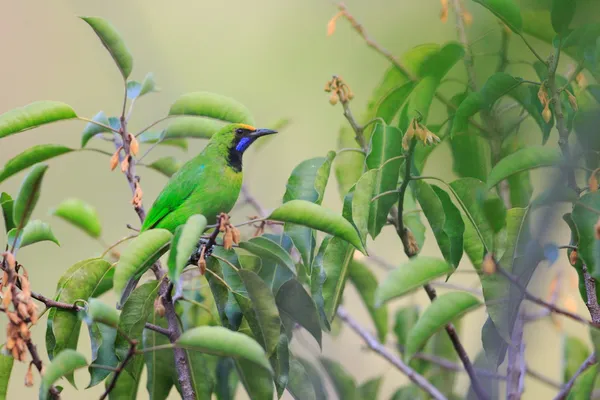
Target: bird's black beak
[[261, 132]]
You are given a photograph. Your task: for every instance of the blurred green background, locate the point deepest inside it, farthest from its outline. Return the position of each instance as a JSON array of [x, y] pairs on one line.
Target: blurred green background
[[274, 56]]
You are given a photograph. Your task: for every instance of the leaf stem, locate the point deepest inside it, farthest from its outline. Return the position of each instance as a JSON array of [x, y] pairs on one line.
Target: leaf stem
[[91, 121], [535, 53]]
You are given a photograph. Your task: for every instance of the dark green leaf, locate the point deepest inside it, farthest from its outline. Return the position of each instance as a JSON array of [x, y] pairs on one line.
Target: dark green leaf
[[257, 382], [102, 338], [527, 158], [574, 353], [33, 115], [293, 301], [31, 156], [315, 377], [408, 392], [127, 385], [585, 215], [62, 365], [471, 155], [370, 389], [445, 309], [205, 104], [280, 361], [166, 165], [406, 318], [269, 250], [366, 284], [81, 214], [584, 384], [300, 385], [317, 281], [393, 101], [7, 203], [272, 272], [35, 231], [160, 365], [137, 258], [336, 263], [519, 184], [357, 203], [227, 381], [91, 129], [6, 364], [507, 10], [489, 385], [229, 310], [29, 194], [343, 382], [526, 95], [319, 218], [410, 276], [384, 157], [495, 213], [112, 41], [183, 244]]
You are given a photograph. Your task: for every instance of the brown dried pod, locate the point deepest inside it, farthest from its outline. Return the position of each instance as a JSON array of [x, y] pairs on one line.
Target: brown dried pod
[[236, 235], [125, 164], [547, 114], [134, 145], [114, 160], [413, 246], [573, 257], [7, 296], [228, 239], [202, 265], [489, 265], [10, 259], [13, 317], [573, 101], [159, 308]]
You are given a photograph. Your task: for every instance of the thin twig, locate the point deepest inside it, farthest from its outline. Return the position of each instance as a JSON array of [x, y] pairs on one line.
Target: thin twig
[[564, 392], [380, 349], [158, 329], [462, 36], [120, 368]]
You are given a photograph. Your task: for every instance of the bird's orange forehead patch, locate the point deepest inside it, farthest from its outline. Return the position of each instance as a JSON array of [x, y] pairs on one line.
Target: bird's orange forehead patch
[[249, 127]]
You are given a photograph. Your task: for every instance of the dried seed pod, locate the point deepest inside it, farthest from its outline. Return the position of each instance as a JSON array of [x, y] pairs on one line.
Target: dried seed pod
[[467, 18], [413, 246], [236, 235], [10, 259], [159, 308], [125, 164], [573, 257], [573, 101], [114, 160], [410, 132], [13, 317], [489, 265], [444, 12], [7, 296], [29, 376], [134, 145], [23, 312], [333, 99], [228, 239], [202, 265], [547, 114]]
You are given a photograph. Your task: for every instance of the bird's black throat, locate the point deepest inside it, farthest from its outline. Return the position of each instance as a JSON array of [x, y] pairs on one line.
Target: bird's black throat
[[234, 159]]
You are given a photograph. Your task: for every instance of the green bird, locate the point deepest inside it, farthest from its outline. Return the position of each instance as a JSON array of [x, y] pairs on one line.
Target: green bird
[[208, 184]]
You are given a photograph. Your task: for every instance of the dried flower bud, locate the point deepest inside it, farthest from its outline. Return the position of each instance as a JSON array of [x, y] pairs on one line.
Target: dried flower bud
[[223, 222], [13, 317], [573, 257], [114, 160], [547, 114], [410, 132], [125, 164], [202, 265], [413, 246], [23, 312], [331, 23], [7, 296], [350, 94], [159, 308], [134, 145], [333, 99], [236, 235], [597, 229], [29, 376], [573, 101], [24, 330], [489, 265], [228, 239], [10, 260], [137, 195], [593, 181], [444, 12]]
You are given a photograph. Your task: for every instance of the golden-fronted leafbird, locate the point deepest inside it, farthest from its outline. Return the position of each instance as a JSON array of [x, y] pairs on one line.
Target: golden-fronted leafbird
[[209, 183]]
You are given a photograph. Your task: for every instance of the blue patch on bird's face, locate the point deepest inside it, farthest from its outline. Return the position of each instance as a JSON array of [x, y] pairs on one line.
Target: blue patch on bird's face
[[243, 144]]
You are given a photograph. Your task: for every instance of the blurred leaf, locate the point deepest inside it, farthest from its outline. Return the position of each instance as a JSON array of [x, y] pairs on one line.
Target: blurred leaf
[[507, 10], [31, 156], [343, 383], [33, 115], [317, 280], [6, 364], [184, 243], [134, 88], [63, 364], [319, 218], [440, 345], [315, 377], [227, 381], [357, 203], [307, 182], [386, 144], [280, 361], [137, 258], [205, 104], [405, 319], [293, 301], [35, 231], [392, 101], [527, 158], [471, 155], [159, 137], [300, 384], [98, 311], [81, 214], [90, 130], [148, 84], [127, 385], [223, 342], [192, 127], [410, 276], [159, 364], [273, 272], [257, 382], [366, 284], [489, 385], [111, 39], [445, 309], [574, 353], [519, 184], [262, 314], [349, 165], [29, 194], [7, 203], [585, 214], [166, 165], [336, 262], [102, 339], [370, 388], [584, 384], [269, 250], [408, 392]]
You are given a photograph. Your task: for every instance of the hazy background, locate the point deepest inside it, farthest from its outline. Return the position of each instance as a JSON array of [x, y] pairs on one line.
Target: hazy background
[[274, 56]]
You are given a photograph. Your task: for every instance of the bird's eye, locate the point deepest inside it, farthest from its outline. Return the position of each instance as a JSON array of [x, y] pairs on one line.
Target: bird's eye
[[239, 131]]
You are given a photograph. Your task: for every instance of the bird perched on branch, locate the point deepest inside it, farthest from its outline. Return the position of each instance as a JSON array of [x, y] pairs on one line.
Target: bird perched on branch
[[208, 184]]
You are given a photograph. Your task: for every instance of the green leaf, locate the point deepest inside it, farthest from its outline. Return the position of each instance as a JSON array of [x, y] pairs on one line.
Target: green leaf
[[370, 388], [293, 301], [262, 314], [443, 310], [63, 364], [584, 384], [137, 258], [574, 353], [134, 89], [6, 364], [102, 338], [319, 218], [585, 215], [81, 214], [315, 377], [343, 382], [507, 10], [31, 156], [7, 203], [78, 283], [412, 218], [405, 319], [527, 158], [366, 284], [273, 272], [280, 361], [349, 165], [318, 277], [257, 382], [211, 105], [384, 157], [159, 137], [471, 155], [269, 250], [35, 231], [410, 276], [392, 101], [300, 385], [29, 194], [408, 392], [102, 313], [357, 203], [166, 165], [225, 301], [148, 84], [495, 213], [111, 39], [336, 263], [90, 130], [223, 342], [519, 184], [192, 127], [33, 115], [159, 364], [183, 244], [307, 182]]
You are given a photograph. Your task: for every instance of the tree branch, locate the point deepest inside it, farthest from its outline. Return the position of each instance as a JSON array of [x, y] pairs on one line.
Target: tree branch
[[120, 368], [380, 349], [591, 360]]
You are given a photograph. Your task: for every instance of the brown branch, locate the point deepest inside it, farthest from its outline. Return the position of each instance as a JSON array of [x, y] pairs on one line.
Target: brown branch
[[158, 329], [516, 362], [380, 349], [119, 369], [592, 299], [591, 360]]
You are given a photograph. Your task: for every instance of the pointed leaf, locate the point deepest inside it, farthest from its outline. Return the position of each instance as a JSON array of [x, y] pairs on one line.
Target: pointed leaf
[[92, 129], [102, 313], [343, 382], [216, 106], [81, 214], [316, 379], [29, 194], [293, 301], [137, 258], [35, 231], [336, 263], [317, 280], [64, 364], [6, 364], [31, 156], [393, 101], [527, 158], [357, 204], [410, 276], [507, 10], [183, 244], [370, 389], [148, 84], [562, 14], [221, 341], [366, 284], [160, 365], [257, 382], [280, 361], [584, 384], [471, 155], [270, 250], [111, 39], [300, 385], [102, 338], [319, 218], [7, 203], [274, 273], [33, 115], [166, 165]]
